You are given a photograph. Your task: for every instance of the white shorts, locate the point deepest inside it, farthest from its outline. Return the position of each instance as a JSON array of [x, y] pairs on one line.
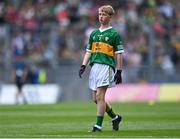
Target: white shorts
[[100, 75]]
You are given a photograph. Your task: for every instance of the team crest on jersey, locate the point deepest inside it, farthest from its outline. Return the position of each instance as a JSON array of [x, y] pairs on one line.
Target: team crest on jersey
[[106, 38], [100, 37]]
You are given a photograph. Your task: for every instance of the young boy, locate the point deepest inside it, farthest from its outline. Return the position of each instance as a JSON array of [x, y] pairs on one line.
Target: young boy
[[104, 45]]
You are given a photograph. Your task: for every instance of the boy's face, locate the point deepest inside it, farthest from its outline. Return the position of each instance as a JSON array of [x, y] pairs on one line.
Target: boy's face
[[104, 18]]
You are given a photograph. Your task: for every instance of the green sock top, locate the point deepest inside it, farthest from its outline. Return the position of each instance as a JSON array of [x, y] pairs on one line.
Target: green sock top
[[99, 120], [111, 113]]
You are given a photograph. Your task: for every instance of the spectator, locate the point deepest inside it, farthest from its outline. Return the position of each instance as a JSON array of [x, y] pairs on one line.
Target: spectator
[[57, 30], [42, 76], [33, 75], [19, 75]]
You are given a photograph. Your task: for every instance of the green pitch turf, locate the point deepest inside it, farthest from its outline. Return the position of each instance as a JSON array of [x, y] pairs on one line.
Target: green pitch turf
[[140, 120]]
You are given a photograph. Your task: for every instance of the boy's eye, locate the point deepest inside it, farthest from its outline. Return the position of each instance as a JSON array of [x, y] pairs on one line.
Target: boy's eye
[[103, 14]]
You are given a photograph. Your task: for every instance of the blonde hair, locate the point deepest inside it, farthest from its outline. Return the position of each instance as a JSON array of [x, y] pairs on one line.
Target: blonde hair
[[107, 9]]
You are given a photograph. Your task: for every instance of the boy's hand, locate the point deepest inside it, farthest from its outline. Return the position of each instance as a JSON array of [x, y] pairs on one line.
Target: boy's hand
[[81, 71], [117, 77]]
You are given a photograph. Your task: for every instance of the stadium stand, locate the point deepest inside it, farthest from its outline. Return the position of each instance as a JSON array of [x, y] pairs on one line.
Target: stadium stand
[[53, 34]]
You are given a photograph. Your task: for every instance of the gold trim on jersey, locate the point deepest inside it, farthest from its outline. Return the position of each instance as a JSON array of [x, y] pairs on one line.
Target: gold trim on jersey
[[102, 48]]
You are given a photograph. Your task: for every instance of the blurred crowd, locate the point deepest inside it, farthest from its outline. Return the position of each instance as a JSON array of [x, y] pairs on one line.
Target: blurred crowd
[[48, 31]]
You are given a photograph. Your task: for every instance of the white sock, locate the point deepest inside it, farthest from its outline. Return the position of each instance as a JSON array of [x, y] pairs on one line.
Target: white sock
[[99, 127], [115, 118]]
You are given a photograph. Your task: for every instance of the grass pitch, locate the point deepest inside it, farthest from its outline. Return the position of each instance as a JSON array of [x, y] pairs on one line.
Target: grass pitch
[[70, 120]]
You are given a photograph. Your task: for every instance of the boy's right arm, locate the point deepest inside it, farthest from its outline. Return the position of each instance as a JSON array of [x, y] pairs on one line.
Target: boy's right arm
[[84, 63], [86, 58]]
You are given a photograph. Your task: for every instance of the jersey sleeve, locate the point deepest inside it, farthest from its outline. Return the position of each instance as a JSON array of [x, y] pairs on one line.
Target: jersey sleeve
[[118, 44]]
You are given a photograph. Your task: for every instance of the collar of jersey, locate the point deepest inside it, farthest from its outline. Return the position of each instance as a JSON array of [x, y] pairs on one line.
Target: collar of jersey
[[101, 30]]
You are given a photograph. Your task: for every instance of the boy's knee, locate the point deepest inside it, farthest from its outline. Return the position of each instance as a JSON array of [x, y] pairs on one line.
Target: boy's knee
[[99, 97]]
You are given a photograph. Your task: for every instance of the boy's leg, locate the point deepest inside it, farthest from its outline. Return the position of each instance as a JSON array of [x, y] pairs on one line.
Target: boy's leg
[[110, 111], [116, 119], [99, 98]]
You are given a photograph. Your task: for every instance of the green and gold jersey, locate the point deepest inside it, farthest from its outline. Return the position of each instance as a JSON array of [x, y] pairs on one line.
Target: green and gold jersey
[[103, 46]]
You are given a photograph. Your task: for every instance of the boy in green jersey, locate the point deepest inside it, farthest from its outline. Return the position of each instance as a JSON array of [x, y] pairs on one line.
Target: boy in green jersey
[[104, 53]]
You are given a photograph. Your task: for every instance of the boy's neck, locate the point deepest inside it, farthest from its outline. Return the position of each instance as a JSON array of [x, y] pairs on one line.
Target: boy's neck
[[102, 27]]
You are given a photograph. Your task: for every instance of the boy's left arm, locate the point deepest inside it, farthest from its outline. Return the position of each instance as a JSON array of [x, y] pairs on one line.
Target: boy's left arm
[[118, 77]]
